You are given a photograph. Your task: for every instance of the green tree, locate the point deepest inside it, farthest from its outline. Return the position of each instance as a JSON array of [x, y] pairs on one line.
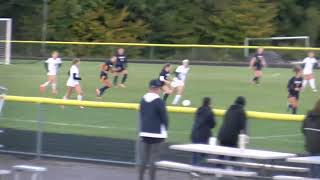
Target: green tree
[[299, 18], [26, 16], [244, 18], [93, 21]]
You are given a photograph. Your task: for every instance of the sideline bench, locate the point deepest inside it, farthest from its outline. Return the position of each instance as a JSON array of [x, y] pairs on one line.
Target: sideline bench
[[292, 178], [35, 171], [186, 168], [259, 166], [4, 173]]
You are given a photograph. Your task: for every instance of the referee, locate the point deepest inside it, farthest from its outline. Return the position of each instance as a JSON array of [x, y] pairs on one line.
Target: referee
[[153, 129]]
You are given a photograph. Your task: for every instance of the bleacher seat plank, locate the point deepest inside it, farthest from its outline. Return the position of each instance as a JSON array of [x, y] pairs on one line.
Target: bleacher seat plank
[[169, 165], [259, 165], [29, 168], [292, 178]]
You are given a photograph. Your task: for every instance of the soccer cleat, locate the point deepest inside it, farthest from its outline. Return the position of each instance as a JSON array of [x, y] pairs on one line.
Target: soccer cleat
[[98, 92], [81, 107], [314, 90], [122, 85]]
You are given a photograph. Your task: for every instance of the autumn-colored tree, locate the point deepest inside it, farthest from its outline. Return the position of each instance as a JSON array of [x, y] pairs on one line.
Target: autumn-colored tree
[[244, 18]]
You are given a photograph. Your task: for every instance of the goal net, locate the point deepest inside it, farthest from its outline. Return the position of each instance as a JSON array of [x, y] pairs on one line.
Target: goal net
[[277, 56], [5, 38]]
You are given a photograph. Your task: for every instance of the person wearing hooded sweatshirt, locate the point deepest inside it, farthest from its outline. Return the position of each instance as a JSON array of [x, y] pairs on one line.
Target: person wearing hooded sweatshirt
[[234, 123], [311, 131], [201, 130], [153, 129]]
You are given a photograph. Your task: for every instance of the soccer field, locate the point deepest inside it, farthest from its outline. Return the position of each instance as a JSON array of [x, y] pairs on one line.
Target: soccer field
[[223, 84]]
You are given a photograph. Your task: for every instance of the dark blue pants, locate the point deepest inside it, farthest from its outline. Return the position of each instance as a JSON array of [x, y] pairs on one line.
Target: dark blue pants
[[198, 157]]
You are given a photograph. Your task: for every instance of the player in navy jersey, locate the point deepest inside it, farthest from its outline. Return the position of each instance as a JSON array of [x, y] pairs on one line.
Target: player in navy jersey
[[122, 66], [294, 88], [257, 63], [164, 77], [107, 67]]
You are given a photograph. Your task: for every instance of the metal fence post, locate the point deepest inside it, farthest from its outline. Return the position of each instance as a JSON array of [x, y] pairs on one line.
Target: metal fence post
[[40, 130], [193, 53], [151, 53]]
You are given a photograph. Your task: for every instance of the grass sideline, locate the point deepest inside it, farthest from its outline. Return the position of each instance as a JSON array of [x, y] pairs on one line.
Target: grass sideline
[[223, 84], [135, 106]]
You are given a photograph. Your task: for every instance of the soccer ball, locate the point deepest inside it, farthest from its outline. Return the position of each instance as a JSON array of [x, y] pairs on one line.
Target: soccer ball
[[186, 102]]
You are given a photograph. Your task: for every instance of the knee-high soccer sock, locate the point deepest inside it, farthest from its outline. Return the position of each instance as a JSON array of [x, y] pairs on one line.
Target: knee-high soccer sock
[[255, 79], [104, 88], [176, 99], [54, 86], [304, 83], [289, 107], [45, 84], [165, 97], [294, 110], [258, 80], [124, 78], [65, 98], [312, 84], [79, 97], [115, 80]]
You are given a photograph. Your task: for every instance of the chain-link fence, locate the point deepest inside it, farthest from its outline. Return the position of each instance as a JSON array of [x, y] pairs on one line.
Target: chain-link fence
[[109, 135], [30, 52]]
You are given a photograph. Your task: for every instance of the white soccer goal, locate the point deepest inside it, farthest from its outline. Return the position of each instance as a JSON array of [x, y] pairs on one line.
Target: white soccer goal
[[305, 39], [5, 40]]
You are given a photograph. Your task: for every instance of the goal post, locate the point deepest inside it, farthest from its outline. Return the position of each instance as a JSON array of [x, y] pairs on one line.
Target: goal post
[[247, 41], [5, 38]]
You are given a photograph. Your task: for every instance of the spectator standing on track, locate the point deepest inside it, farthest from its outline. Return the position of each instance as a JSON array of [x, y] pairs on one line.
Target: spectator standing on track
[[311, 131], [234, 123], [153, 129], [201, 130]]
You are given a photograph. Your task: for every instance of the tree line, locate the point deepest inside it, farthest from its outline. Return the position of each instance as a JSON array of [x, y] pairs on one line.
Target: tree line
[[164, 21]]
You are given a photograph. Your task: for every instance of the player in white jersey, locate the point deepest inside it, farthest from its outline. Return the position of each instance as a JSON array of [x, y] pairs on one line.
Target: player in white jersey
[[73, 82], [309, 63], [178, 82], [52, 66]]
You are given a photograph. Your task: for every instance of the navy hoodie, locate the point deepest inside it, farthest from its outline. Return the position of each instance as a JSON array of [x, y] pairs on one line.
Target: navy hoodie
[[153, 117], [311, 131]]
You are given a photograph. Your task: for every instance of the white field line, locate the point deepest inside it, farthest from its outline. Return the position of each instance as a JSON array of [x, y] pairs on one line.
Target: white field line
[[276, 136], [134, 129], [82, 125]]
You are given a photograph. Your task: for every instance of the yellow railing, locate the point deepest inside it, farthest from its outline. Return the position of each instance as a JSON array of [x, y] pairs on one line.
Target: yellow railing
[[166, 45], [135, 106]]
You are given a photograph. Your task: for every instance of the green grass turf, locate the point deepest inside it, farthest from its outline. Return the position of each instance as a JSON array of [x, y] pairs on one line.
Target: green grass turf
[[223, 84]]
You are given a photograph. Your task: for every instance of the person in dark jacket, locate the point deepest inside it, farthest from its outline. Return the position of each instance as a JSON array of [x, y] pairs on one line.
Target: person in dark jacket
[[311, 131], [153, 129], [201, 130], [234, 123]]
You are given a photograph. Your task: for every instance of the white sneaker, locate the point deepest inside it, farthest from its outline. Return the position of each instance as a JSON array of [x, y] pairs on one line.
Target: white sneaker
[[194, 175], [314, 90]]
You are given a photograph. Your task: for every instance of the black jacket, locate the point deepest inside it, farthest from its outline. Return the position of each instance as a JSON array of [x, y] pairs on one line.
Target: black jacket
[[153, 117], [311, 130], [204, 122], [234, 122]]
